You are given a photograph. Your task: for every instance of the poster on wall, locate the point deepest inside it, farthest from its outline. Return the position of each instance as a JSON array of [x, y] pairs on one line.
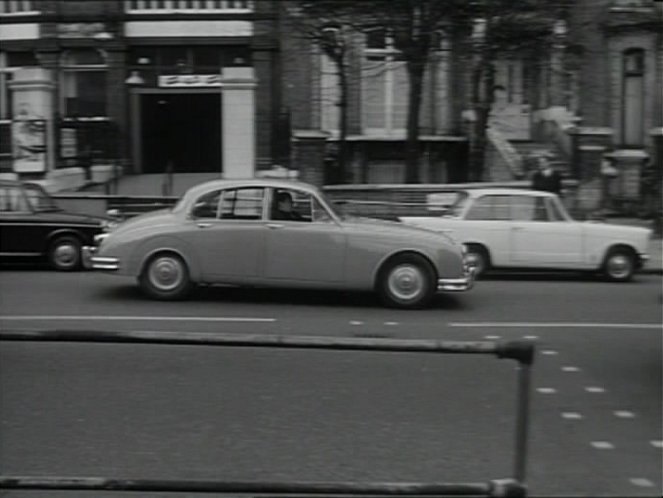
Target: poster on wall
[[29, 145]]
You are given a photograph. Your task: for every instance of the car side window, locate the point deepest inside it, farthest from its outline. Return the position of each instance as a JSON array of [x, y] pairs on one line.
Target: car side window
[[242, 204], [553, 211], [12, 200], [489, 207], [291, 205], [525, 208], [207, 205]]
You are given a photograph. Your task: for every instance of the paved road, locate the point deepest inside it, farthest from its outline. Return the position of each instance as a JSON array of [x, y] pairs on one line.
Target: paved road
[[159, 411]]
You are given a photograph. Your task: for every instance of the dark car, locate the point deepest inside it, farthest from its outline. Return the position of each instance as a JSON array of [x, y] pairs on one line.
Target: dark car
[[33, 226]]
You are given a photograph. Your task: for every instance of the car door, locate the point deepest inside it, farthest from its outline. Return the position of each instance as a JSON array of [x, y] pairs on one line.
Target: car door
[[486, 222], [20, 232], [228, 234], [541, 236], [310, 248]]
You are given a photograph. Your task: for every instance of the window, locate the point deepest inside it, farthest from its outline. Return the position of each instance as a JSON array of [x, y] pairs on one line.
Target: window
[[633, 97], [490, 207], [207, 205], [242, 204], [18, 7], [525, 208], [84, 74], [10, 62], [554, 210], [12, 200], [384, 86], [293, 205]]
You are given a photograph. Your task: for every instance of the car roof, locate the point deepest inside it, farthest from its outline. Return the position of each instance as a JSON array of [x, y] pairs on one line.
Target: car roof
[[476, 192], [251, 182]]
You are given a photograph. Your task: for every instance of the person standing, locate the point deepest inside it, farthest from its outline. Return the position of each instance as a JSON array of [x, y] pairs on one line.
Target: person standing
[[546, 178]]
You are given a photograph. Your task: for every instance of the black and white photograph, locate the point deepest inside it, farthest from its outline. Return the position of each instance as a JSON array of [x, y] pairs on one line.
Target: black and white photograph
[[331, 248]]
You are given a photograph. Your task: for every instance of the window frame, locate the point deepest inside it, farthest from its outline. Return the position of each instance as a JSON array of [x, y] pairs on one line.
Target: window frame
[[72, 69]]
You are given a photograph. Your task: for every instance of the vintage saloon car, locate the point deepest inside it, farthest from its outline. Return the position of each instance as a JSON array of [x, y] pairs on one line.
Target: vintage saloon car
[[243, 233], [33, 226], [513, 228]]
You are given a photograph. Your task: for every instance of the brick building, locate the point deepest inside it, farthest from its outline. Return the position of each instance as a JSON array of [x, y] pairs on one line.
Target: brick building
[[150, 85]]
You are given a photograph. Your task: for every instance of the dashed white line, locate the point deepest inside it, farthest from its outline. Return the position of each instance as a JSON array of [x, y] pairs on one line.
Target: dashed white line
[[656, 443], [557, 325], [492, 337], [531, 337], [572, 415], [549, 352], [391, 324], [641, 482], [624, 414], [570, 369], [546, 390], [356, 322], [594, 389], [603, 445], [138, 318]]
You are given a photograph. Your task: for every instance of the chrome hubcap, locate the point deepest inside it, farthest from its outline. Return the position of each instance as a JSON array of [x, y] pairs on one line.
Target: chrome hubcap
[[65, 254], [619, 266], [406, 282], [166, 273]]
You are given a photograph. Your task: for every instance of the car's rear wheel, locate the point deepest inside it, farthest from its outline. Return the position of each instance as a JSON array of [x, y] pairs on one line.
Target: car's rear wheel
[[165, 276], [619, 265], [64, 253], [477, 257], [407, 281]]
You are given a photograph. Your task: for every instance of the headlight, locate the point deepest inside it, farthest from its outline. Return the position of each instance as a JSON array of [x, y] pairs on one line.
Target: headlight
[[99, 238]]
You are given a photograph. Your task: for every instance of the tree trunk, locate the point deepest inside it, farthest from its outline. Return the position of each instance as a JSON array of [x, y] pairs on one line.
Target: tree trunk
[[412, 152]]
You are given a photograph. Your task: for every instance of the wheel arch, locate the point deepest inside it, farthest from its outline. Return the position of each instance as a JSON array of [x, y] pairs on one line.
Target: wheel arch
[[483, 247], [144, 253], [63, 232], [618, 246]]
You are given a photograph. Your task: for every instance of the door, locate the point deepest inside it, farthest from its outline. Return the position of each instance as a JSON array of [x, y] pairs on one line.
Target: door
[[20, 231], [633, 98], [308, 247], [228, 233], [181, 131], [487, 223], [541, 237]]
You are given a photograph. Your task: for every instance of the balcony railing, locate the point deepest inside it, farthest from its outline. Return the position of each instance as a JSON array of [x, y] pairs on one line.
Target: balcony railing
[[187, 6], [18, 7]]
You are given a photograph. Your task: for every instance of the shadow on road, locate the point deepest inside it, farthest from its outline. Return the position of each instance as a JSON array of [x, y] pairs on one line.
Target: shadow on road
[[298, 297]]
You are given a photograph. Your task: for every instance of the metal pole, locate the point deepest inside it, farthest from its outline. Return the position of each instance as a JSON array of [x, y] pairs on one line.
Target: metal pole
[[522, 421]]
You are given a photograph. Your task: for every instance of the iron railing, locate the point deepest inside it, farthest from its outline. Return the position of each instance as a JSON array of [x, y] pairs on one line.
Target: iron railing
[[514, 486]]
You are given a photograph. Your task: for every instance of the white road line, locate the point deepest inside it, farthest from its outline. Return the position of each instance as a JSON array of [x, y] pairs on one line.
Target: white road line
[[570, 369], [594, 389], [603, 445], [391, 324], [138, 318], [656, 444], [546, 390], [531, 337], [641, 482], [572, 415], [549, 352], [557, 325], [624, 414], [492, 337], [356, 322]]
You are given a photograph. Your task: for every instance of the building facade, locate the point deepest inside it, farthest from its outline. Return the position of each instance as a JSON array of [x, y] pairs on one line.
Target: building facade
[[151, 85]]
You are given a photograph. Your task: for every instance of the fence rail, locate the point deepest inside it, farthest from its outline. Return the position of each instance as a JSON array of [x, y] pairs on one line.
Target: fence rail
[[512, 487]]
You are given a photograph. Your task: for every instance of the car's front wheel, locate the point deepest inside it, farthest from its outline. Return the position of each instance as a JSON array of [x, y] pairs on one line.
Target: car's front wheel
[[619, 265], [407, 281], [165, 276], [64, 253]]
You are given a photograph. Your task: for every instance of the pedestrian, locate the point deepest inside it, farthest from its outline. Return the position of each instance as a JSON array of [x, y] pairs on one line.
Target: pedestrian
[[546, 178]]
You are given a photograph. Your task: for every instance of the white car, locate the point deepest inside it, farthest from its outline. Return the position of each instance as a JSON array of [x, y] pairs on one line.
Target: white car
[[514, 228]]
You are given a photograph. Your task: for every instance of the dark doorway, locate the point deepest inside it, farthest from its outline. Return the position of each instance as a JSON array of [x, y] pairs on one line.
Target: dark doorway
[[183, 129]]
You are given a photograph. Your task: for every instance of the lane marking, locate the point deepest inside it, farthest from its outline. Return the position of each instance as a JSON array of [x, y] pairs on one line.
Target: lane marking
[[546, 390], [570, 369], [356, 322], [656, 443], [531, 337], [594, 389], [391, 324], [603, 445], [492, 337], [549, 352], [139, 318], [557, 325], [624, 414], [642, 482], [572, 415]]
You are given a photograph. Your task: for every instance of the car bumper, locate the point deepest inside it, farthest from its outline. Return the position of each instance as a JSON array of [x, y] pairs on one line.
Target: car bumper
[[465, 283], [93, 262], [642, 260]]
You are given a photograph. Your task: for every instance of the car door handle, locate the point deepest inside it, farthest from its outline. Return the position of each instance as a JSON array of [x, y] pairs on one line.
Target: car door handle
[[203, 225], [274, 226]]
